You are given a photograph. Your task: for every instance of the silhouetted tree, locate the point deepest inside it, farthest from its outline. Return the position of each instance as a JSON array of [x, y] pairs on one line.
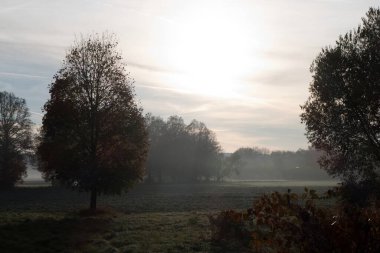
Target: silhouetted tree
[[342, 113], [93, 135], [15, 138]]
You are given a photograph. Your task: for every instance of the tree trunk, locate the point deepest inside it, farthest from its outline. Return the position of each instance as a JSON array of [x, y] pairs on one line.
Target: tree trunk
[[93, 199]]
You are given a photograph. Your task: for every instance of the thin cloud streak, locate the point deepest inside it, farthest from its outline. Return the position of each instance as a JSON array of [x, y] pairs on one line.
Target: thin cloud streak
[[150, 67], [22, 75]]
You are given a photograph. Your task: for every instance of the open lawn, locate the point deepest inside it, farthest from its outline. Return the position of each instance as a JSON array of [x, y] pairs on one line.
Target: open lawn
[[150, 218]]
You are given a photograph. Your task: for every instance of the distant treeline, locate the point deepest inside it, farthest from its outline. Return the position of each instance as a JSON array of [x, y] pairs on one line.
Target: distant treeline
[[182, 152], [261, 164]]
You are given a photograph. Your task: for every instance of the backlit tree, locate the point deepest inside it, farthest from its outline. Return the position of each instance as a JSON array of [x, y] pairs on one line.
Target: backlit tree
[[15, 138], [93, 135], [342, 113]]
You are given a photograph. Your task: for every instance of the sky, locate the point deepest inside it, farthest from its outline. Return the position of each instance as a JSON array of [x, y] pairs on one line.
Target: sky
[[241, 67]]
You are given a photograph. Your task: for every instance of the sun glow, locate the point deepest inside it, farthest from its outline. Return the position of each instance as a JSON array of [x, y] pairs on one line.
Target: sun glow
[[213, 50]]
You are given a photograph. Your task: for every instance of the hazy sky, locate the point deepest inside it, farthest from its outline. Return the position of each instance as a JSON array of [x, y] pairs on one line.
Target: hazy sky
[[242, 67]]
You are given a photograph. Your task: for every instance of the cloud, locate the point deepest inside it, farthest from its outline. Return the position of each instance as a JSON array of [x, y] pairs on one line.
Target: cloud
[[150, 67], [21, 75], [237, 123], [289, 76], [11, 5], [286, 37]]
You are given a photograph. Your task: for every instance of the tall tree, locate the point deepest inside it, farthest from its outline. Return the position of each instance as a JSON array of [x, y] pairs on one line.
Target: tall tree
[[342, 113], [93, 135], [15, 138]]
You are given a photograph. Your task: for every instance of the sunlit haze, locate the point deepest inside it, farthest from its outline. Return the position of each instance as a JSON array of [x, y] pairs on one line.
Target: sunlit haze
[[241, 67]]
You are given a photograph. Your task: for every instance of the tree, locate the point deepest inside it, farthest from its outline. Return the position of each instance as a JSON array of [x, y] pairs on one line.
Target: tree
[[342, 113], [176, 153], [155, 161], [206, 151], [180, 152], [93, 134], [15, 138], [232, 164]]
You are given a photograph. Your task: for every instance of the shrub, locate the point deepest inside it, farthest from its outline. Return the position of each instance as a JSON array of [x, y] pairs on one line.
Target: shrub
[[294, 223]]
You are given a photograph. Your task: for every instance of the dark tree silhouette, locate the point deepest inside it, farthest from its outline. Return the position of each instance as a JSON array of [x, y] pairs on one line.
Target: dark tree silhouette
[[93, 135], [15, 138], [342, 113]]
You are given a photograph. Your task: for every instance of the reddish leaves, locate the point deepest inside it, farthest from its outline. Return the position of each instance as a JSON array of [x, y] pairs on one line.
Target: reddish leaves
[[293, 223]]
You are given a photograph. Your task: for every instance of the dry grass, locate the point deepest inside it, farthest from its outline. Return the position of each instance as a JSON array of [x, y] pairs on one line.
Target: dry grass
[[151, 218]]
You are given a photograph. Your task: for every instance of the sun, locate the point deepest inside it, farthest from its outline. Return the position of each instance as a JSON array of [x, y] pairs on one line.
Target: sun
[[212, 48]]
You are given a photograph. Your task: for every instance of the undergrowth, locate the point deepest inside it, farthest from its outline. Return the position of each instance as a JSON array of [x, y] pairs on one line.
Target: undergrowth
[[291, 222]]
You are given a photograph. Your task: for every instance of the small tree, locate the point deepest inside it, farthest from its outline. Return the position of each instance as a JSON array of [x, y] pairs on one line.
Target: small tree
[[342, 113], [15, 138], [93, 135]]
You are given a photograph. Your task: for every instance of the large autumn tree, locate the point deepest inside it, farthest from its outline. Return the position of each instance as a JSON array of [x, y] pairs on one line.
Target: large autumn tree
[[342, 113], [93, 135], [15, 138]]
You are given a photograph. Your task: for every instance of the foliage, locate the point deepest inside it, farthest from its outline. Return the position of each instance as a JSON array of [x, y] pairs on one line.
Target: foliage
[[258, 163], [15, 138], [294, 223], [93, 134], [233, 164], [180, 152], [362, 193], [342, 113]]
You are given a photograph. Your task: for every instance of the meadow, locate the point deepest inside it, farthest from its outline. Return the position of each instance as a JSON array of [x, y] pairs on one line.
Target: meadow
[[150, 218]]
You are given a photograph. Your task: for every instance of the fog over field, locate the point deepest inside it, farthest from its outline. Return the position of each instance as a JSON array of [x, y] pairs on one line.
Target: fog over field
[[177, 126]]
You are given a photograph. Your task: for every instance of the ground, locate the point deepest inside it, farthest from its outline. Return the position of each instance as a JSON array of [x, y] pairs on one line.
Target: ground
[[150, 218]]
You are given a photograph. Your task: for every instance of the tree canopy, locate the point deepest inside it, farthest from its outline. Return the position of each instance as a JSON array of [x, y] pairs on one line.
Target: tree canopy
[[15, 138], [342, 113], [180, 152], [93, 135]]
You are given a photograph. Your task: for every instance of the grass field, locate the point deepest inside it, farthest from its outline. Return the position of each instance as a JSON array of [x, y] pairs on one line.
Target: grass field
[[149, 218]]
